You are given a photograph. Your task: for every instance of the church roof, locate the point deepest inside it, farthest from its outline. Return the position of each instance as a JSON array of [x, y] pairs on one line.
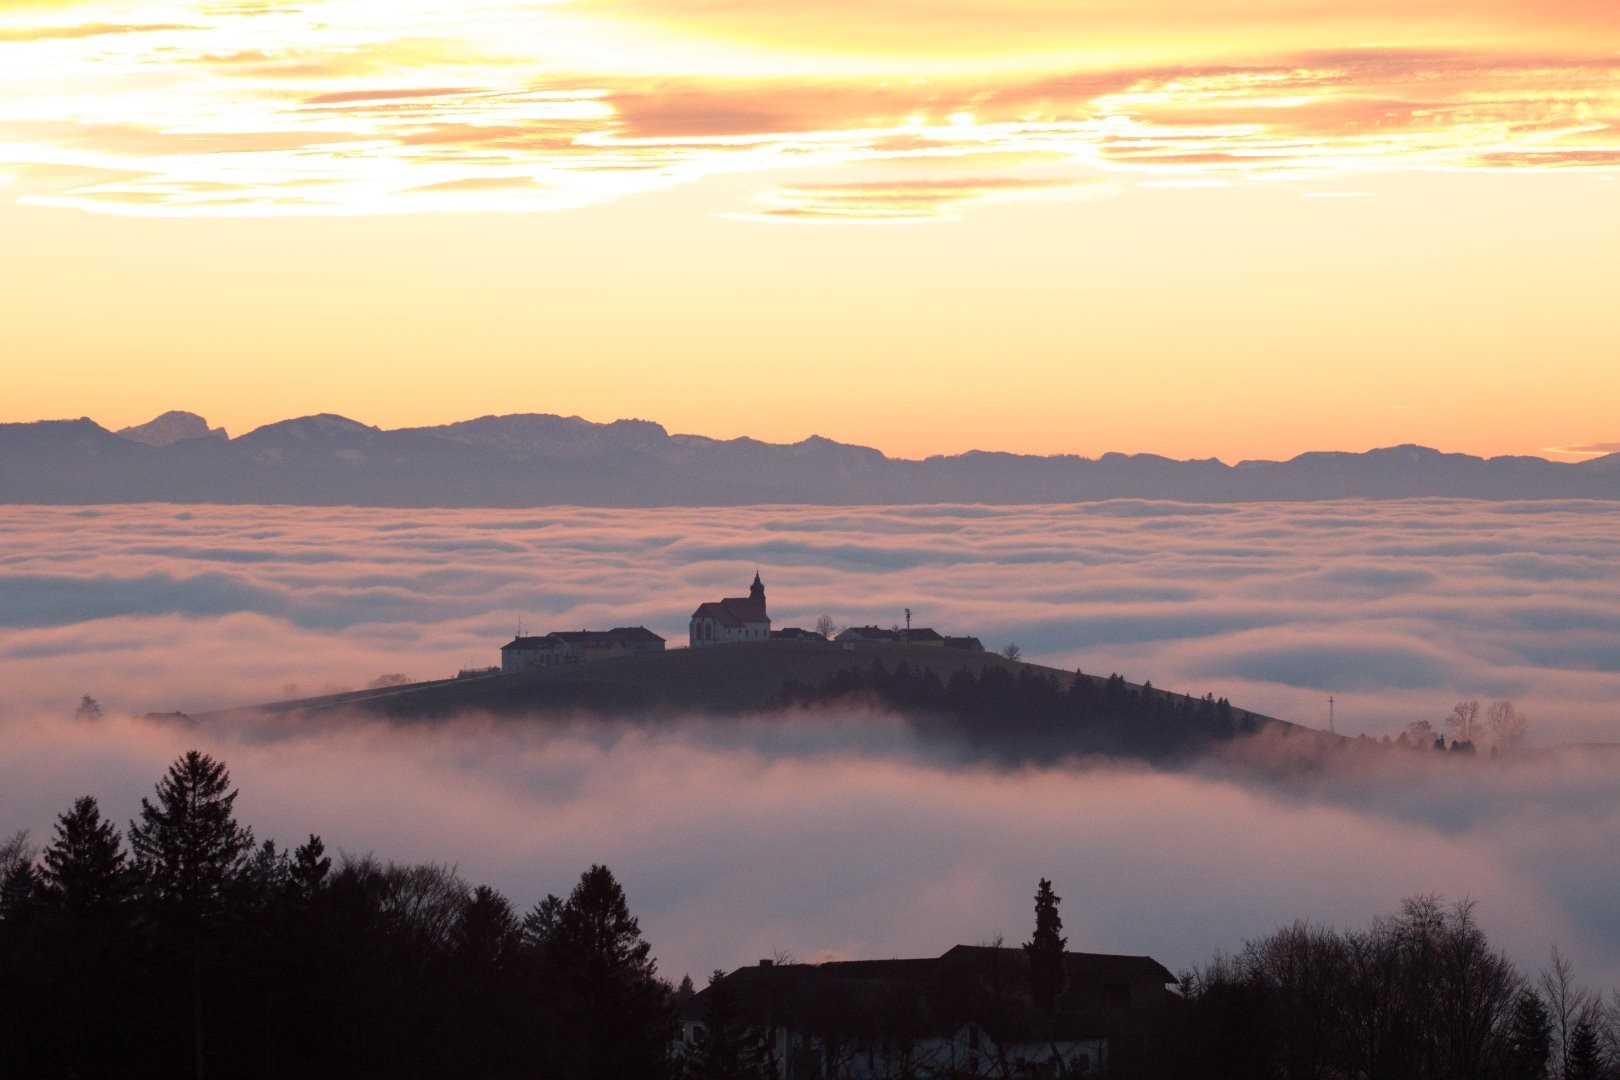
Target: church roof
[[733, 612]]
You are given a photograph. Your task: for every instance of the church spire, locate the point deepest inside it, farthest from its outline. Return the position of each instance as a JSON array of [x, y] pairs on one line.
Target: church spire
[[756, 591]]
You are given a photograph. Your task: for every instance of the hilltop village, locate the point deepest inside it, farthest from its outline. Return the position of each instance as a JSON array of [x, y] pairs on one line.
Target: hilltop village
[[733, 620]]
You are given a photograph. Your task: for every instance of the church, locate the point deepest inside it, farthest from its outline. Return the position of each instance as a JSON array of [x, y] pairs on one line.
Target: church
[[734, 619]]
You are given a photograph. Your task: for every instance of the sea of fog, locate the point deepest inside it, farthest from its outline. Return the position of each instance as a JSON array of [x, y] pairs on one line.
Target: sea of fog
[[836, 835]]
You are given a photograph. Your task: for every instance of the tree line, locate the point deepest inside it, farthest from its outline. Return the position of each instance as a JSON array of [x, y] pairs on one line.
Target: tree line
[[186, 947], [1032, 715], [1418, 995]]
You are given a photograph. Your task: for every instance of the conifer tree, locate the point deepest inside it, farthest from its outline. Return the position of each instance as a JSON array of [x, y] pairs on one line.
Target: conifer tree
[[86, 869], [623, 1025], [1529, 1041], [1045, 949], [188, 846], [1585, 1059]]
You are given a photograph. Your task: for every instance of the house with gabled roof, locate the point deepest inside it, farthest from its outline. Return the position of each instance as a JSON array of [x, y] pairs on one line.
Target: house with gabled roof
[[733, 620], [577, 647], [966, 1013]]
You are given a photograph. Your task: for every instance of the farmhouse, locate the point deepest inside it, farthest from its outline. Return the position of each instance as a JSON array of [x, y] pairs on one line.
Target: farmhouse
[[967, 1013], [577, 647], [915, 635], [732, 620]]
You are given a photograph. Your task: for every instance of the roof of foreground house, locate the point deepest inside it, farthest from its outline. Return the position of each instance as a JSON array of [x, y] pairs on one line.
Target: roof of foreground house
[[937, 995]]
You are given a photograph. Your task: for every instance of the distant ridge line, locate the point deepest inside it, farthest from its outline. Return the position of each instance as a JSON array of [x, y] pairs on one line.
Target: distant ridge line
[[536, 459]]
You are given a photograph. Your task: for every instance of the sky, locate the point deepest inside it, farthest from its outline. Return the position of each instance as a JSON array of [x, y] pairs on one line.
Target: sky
[[1230, 228], [838, 834]]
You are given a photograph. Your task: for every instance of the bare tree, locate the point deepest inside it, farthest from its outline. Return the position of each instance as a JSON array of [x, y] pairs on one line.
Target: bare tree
[[1464, 721], [1419, 733], [825, 626], [1507, 724], [1568, 1004], [1012, 651]]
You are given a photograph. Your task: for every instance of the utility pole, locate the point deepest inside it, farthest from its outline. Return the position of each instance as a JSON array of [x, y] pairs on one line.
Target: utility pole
[[1330, 714]]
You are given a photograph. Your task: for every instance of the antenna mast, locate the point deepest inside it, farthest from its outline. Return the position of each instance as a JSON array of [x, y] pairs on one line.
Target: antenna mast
[[908, 620], [1330, 714]]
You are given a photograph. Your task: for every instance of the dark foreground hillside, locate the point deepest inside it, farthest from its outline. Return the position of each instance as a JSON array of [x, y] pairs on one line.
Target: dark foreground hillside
[[978, 703]]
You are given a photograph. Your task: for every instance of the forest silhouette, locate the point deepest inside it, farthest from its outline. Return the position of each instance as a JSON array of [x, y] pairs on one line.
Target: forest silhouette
[[185, 946]]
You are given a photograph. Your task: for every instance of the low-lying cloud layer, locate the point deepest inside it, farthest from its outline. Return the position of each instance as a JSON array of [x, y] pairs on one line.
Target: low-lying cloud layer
[[834, 835], [1397, 610]]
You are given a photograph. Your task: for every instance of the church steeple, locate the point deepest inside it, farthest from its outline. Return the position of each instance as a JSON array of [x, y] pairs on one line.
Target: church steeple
[[756, 591]]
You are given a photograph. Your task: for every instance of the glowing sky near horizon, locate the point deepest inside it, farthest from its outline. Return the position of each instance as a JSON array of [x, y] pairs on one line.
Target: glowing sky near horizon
[[1240, 228]]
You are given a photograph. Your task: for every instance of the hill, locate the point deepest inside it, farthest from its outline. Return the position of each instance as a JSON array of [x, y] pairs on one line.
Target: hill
[[536, 460], [979, 704]]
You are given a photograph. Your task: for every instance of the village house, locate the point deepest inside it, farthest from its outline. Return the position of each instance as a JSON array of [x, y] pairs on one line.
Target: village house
[[732, 620], [967, 1013], [577, 647], [917, 635]]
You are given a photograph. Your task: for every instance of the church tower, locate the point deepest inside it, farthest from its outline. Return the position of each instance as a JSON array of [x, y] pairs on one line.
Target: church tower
[[756, 591]]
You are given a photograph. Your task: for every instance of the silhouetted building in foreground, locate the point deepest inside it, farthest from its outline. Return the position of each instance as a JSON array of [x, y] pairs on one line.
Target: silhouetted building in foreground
[[967, 1013], [577, 647], [732, 620]]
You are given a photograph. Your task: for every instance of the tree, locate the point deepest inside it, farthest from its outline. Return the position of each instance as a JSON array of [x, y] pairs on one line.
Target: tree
[[622, 1028], [540, 924], [19, 880], [189, 855], [825, 626], [1585, 1058], [89, 709], [1464, 721], [1045, 949], [86, 869], [1012, 652], [310, 866], [188, 846], [1419, 734], [1529, 1040], [1507, 725], [1567, 1003]]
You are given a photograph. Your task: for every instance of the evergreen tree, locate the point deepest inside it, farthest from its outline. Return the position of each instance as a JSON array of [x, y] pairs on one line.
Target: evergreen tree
[[191, 857], [1045, 949], [622, 1028], [310, 866], [188, 847], [1529, 1040], [86, 869], [1585, 1059], [540, 924]]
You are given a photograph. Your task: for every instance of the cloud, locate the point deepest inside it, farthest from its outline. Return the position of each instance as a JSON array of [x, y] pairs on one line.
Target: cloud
[[835, 836], [838, 834], [1398, 609], [903, 200], [325, 108]]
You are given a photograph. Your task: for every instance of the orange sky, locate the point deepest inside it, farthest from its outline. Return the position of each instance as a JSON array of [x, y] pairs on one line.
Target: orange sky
[[1230, 228]]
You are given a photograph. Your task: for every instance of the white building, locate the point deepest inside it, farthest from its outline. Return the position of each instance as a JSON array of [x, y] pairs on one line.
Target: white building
[[732, 620]]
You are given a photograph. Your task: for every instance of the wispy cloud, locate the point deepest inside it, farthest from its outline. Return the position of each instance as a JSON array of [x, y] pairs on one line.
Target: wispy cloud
[[342, 106]]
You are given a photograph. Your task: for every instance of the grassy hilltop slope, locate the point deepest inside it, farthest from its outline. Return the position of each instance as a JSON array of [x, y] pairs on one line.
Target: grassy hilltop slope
[[989, 705]]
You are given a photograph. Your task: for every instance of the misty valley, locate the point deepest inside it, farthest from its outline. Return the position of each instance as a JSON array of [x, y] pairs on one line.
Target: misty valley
[[1322, 891]]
